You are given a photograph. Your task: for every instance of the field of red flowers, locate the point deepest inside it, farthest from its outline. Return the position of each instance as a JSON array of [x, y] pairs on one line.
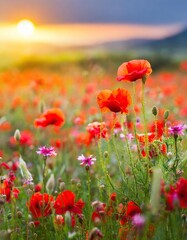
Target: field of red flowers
[[90, 154]]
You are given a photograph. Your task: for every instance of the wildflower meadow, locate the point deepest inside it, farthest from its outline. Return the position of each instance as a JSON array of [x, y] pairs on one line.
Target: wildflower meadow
[[89, 153]]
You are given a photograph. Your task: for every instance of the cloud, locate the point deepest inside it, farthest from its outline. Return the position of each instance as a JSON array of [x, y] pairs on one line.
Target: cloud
[[63, 11]]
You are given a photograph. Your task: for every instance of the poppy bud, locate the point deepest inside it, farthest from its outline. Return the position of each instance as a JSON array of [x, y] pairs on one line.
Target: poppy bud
[[128, 171], [29, 192], [50, 183], [2, 199], [19, 214], [35, 235], [166, 114], [79, 185], [183, 216], [71, 235], [105, 154], [62, 186], [25, 172], [17, 135], [73, 181], [59, 180], [155, 111], [31, 224], [9, 216], [68, 219], [95, 234]]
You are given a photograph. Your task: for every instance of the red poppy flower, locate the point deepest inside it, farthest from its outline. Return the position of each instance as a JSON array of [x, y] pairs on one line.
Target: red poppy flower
[[113, 196], [65, 201], [181, 191], [132, 209], [158, 129], [170, 197], [6, 188], [134, 70], [26, 139], [40, 205], [51, 117], [97, 130], [141, 137], [115, 101]]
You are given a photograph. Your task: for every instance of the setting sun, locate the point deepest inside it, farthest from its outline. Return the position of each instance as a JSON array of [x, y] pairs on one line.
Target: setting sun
[[25, 28]]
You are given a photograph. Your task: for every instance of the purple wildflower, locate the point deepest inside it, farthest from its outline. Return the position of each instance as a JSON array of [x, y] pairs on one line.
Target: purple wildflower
[[129, 136], [138, 220], [87, 161], [177, 130], [46, 151]]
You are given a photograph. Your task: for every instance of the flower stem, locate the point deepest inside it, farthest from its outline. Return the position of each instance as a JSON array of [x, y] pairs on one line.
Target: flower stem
[[176, 155], [134, 125], [145, 131], [44, 168]]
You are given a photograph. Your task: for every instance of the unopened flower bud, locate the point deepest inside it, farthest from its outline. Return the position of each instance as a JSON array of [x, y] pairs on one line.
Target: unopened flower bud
[[79, 185], [9, 216], [29, 192], [59, 180], [62, 186], [31, 224], [105, 154], [19, 214], [68, 219], [71, 235], [169, 155], [73, 181], [95, 234], [50, 183], [102, 186], [2, 199], [128, 171], [184, 217], [155, 111], [17, 135], [166, 114], [35, 235]]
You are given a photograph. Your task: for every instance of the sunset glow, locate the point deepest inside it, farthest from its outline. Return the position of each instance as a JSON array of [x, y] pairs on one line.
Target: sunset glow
[[25, 28]]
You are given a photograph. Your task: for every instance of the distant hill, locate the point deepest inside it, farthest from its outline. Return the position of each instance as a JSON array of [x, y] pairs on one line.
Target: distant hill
[[173, 45], [177, 41]]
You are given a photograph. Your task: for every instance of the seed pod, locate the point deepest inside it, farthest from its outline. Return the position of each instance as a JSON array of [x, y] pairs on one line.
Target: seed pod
[[166, 114], [155, 111]]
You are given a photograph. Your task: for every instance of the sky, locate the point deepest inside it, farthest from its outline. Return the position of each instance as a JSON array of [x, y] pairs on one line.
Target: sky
[[93, 11]]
